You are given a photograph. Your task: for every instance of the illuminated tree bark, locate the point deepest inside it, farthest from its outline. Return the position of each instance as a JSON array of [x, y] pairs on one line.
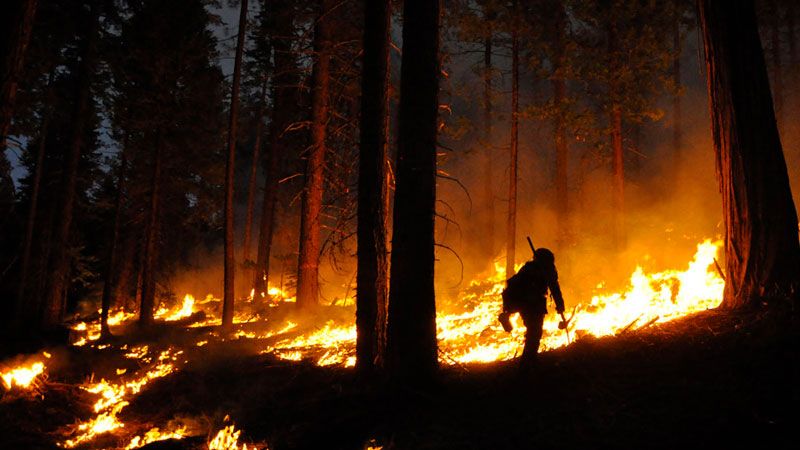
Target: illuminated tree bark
[[762, 254], [311, 211], [230, 260], [371, 281], [411, 341]]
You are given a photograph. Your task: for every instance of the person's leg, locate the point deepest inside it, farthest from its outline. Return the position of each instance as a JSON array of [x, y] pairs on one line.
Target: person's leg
[[533, 336]]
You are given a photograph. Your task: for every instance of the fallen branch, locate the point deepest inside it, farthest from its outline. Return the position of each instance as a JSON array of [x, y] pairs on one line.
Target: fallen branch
[[627, 327]]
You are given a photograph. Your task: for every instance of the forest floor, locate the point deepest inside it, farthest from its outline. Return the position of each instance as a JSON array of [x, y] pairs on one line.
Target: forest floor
[[712, 379]]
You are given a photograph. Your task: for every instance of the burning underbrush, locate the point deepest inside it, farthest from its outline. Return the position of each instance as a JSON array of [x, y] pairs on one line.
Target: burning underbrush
[[186, 337]]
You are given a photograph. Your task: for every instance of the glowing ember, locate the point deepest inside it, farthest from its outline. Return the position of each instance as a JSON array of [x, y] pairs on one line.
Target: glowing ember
[[23, 376]]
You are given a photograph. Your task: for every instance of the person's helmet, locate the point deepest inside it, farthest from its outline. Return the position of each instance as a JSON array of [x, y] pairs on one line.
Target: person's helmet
[[545, 256]]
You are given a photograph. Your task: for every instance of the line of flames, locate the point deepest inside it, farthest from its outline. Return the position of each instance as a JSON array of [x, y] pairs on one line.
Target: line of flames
[[471, 335]]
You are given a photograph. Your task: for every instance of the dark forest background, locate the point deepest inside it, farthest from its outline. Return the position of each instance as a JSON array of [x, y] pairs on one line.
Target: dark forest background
[[120, 125]]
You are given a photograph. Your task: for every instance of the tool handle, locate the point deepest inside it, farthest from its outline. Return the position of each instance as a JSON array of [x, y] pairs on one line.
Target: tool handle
[[530, 242]]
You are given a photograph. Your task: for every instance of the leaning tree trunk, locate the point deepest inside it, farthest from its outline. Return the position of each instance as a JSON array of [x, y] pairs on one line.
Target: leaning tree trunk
[[229, 290], [411, 352], [371, 278], [55, 297], [110, 279], [511, 224], [761, 243], [311, 210], [150, 252], [18, 17], [488, 151]]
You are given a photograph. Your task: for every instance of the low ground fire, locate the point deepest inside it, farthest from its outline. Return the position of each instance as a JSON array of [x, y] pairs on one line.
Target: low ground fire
[[470, 335]]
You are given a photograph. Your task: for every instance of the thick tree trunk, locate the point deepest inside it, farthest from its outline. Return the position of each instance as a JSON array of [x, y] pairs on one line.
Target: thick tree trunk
[[487, 235], [311, 210], [371, 278], [411, 340], [17, 25], [229, 291], [762, 254], [511, 224], [55, 297], [150, 253], [110, 278], [677, 126], [252, 182]]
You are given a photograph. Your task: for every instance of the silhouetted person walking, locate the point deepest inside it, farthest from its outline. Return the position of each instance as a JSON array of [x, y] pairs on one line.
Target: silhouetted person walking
[[526, 293]]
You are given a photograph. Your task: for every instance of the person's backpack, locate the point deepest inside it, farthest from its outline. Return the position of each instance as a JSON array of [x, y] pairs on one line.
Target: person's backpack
[[516, 290]]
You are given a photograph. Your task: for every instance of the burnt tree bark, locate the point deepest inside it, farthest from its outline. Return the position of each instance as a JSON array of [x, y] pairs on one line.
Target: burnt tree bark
[[229, 291], [55, 297], [150, 251], [762, 254], [311, 210], [17, 25], [411, 352], [511, 223], [371, 278], [110, 278]]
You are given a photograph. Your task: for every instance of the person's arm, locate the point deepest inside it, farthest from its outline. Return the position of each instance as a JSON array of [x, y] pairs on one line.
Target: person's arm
[[555, 291]]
